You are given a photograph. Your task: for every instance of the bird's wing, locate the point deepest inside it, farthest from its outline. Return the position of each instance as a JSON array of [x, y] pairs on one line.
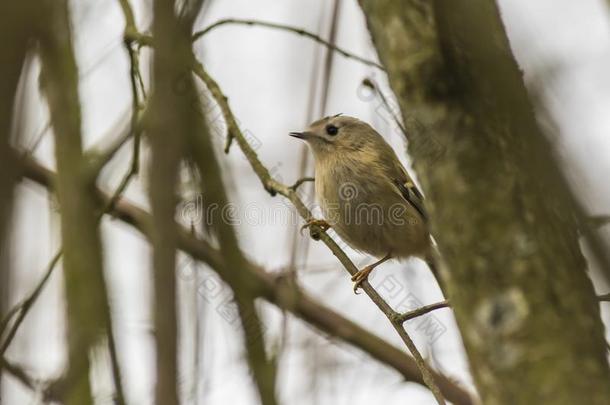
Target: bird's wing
[[413, 196], [406, 186]]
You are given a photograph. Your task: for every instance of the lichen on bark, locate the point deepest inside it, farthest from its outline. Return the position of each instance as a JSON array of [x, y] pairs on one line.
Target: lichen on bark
[[514, 273]]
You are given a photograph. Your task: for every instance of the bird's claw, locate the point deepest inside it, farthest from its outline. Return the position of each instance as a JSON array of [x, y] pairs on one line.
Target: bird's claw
[[360, 277], [320, 223]]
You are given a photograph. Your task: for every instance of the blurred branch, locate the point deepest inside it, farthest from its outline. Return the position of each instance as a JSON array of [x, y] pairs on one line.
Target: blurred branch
[[370, 83], [263, 369], [17, 372], [86, 297], [273, 289], [104, 151], [102, 154], [189, 12], [283, 27], [130, 21], [167, 130], [604, 297], [597, 221], [16, 30], [23, 308], [177, 112], [275, 187]]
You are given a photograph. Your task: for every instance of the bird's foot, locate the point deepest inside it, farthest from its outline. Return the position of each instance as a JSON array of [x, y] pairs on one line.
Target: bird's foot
[[361, 276], [320, 223]]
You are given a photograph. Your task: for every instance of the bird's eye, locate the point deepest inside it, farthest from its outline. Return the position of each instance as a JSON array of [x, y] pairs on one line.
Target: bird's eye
[[331, 130]]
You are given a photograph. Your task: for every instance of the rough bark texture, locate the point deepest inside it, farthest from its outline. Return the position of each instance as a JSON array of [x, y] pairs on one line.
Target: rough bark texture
[[516, 280], [82, 261]]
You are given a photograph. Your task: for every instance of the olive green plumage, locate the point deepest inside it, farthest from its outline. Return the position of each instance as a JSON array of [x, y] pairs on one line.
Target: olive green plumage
[[365, 193]]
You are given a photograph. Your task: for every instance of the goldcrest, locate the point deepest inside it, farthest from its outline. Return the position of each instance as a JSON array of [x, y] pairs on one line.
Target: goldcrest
[[365, 193]]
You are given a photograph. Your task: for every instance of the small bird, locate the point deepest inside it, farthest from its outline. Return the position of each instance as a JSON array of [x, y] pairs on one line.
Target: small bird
[[365, 193]]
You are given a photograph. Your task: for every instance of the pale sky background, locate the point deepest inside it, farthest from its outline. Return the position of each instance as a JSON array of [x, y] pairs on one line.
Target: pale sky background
[[563, 47]]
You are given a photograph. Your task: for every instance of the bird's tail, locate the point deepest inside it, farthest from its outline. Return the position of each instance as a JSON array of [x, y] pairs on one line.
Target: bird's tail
[[433, 260]]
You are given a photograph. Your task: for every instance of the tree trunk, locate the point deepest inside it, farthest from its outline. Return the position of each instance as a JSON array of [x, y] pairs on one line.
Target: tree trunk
[[514, 273]]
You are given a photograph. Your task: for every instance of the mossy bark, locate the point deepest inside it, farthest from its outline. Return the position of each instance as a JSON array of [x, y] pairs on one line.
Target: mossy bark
[[514, 273]]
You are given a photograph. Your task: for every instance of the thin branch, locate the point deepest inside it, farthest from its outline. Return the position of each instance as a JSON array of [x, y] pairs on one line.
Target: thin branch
[[421, 311], [7, 318], [38, 138], [368, 82], [26, 305], [273, 289], [275, 187], [130, 21], [263, 369], [17, 372], [300, 181], [135, 80], [100, 154], [283, 27]]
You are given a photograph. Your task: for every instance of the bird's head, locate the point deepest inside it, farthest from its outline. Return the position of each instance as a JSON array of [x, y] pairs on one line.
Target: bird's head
[[338, 134]]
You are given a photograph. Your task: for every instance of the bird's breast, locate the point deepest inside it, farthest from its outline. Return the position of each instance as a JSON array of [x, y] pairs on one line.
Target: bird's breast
[[368, 212]]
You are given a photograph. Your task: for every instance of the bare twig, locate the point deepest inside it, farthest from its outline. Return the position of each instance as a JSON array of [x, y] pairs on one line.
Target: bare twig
[[273, 289], [274, 187], [421, 311], [289, 28], [100, 154], [299, 182], [23, 308], [370, 83], [17, 372]]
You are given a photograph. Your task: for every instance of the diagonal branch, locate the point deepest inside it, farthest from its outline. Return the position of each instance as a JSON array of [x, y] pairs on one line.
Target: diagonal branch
[[421, 311], [275, 187], [263, 369], [23, 309], [18, 373], [273, 289]]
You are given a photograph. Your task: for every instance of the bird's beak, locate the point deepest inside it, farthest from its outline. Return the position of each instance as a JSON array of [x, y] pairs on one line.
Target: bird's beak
[[301, 135]]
